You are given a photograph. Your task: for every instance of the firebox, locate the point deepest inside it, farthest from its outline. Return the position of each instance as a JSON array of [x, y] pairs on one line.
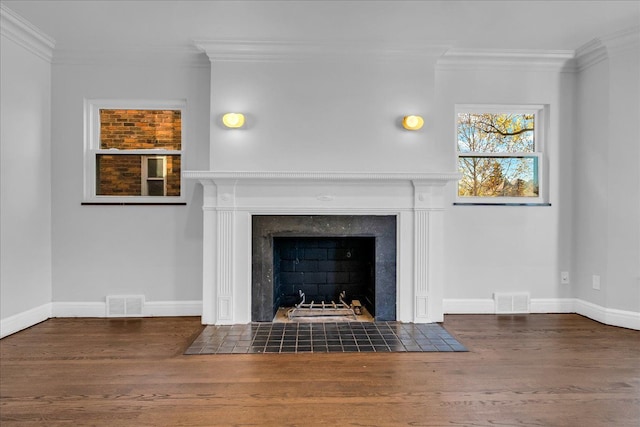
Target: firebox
[[321, 268]]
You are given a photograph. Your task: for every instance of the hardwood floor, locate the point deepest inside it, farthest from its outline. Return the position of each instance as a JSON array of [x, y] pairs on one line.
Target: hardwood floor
[[529, 370]]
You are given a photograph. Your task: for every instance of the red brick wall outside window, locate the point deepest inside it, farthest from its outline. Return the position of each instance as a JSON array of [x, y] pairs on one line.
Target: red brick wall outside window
[[122, 174]]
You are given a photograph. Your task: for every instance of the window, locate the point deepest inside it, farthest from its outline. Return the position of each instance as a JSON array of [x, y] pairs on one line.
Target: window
[[499, 150], [133, 151]]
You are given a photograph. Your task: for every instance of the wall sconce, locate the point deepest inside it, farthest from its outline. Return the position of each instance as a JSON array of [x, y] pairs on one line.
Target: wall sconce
[[233, 120], [412, 122]]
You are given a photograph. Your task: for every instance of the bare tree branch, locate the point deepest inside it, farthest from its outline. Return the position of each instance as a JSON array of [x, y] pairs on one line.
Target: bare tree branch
[[498, 131]]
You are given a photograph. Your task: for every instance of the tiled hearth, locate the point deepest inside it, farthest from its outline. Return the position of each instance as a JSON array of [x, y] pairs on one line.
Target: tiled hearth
[[232, 199], [326, 337]]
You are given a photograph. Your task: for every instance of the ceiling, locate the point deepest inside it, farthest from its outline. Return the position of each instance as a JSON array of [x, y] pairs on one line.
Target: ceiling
[[119, 24]]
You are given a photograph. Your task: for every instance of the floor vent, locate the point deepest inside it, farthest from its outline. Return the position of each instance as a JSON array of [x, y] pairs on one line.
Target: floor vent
[[510, 303], [125, 305]]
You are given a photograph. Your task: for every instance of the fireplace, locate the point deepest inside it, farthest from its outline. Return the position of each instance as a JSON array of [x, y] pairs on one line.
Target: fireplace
[[408, 280], [323, 255]]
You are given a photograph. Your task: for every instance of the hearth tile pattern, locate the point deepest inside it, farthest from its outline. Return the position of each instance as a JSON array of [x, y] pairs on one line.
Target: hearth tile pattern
[[325, 337]]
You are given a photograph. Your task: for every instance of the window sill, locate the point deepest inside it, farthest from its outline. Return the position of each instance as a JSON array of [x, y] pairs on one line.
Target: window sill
[[133, 203], [499, 204], [133, 200]]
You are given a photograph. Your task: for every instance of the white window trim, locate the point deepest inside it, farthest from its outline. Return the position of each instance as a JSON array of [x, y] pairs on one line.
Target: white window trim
[[92, 109], [541, 122]]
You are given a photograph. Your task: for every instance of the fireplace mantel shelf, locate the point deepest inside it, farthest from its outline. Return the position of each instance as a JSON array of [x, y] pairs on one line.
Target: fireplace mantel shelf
[[434, 177]]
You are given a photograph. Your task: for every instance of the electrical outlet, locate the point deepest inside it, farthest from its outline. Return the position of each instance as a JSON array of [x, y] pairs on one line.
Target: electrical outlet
[[596, 282], [564, 277]]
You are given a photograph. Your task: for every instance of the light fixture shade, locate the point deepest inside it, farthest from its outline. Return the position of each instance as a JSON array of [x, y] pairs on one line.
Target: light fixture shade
[[412, 122], [233, 120]]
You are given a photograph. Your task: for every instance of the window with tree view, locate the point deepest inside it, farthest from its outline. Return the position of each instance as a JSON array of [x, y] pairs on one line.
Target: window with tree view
[[498, 156], [135, 153]]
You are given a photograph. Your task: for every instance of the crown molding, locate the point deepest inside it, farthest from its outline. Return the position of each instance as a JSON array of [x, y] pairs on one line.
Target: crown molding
[[590, 54], [601, 48], [622, 41], [152, 56], [16, 28], [505, 59], [284, 50]]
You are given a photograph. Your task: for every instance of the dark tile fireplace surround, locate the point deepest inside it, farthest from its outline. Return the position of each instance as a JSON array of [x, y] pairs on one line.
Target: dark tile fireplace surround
[[323, 255]]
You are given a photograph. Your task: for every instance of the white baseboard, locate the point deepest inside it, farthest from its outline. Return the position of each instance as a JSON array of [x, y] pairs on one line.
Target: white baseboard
[[608, 316], [150, 309], [172, 308], [553, 305], [469, 306], [28, 318], [79, 309], [24, 320]]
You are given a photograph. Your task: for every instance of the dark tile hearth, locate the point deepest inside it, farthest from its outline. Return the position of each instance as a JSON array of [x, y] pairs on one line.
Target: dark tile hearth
[[326, 337]]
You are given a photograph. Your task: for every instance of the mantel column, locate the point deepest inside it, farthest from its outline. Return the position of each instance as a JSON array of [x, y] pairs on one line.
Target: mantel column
[[208, 253], [428, 258], [218, 249]]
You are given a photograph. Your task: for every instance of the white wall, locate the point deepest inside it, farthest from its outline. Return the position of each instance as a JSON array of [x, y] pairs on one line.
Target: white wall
[[623, 222], [105, 250], [25, 194], [508, 248], [607, 176], [325, 114], [591, 178]]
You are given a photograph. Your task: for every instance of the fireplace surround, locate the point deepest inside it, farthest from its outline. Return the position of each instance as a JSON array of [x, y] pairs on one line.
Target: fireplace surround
[[231, 201], [323, 255]]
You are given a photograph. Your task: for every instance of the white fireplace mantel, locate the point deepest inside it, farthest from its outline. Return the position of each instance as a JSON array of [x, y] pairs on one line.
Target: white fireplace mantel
[[232, 198]]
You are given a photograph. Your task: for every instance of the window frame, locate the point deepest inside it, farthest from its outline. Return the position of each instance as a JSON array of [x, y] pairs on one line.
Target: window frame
[[540, 113], [92, 148]]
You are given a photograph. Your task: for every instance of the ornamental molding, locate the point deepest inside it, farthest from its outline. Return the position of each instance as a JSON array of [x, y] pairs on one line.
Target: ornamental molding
[[293, 177], [180, 56], [590, 54], [281, 50], [24, 33], [601, 48], [505, 59], [621, 41]]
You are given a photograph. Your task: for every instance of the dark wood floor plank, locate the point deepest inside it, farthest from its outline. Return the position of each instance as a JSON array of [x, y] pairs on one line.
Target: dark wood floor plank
[[529, 370]]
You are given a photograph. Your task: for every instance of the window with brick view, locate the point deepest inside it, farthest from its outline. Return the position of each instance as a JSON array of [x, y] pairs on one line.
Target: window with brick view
[[139, 153]]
